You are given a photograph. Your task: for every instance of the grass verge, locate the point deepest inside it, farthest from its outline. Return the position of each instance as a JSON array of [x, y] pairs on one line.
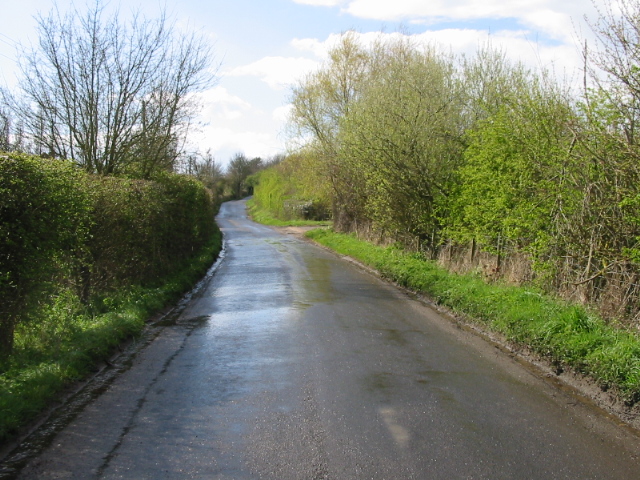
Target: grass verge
[[265, 217], [567, 335], [65, 342]]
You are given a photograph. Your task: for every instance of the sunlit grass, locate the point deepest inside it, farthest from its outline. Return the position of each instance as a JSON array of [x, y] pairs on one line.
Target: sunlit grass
[[567, 335]]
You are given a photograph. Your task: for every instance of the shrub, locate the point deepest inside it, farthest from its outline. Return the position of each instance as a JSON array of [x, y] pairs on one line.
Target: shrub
[[44, 220], [61, 228]]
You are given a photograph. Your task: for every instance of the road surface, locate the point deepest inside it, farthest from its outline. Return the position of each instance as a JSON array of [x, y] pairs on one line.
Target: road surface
[[293, 363]]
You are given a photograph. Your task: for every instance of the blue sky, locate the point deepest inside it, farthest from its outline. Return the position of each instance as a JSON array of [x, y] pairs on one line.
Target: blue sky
[[263, 46]]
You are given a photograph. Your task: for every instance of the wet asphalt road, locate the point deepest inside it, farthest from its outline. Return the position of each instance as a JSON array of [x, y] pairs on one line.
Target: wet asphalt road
[[295, 364]]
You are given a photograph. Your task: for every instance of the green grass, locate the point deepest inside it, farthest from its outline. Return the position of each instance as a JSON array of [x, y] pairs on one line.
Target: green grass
[[265, 217], [64, 342], [567, 335]]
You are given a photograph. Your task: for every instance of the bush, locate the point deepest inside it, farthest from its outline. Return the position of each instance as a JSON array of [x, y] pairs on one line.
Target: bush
[[84, 260], [61, 228], [143, 229], [44, 220]]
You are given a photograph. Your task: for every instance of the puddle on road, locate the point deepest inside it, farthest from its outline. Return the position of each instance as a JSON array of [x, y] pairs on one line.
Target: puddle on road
[[313, 282], [301, 305], [379, 382], [190, 323]]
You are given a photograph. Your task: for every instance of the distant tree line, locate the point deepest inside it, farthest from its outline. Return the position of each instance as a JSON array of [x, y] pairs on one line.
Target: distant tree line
[[481, 162]]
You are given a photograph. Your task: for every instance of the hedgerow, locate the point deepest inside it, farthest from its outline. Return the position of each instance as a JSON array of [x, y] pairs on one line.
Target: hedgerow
[[84, 261]]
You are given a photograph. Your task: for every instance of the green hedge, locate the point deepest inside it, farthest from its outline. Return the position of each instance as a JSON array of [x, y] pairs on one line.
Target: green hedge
[[84, 260], [62, 227], [44, 222], [64, 341], [142, 230]]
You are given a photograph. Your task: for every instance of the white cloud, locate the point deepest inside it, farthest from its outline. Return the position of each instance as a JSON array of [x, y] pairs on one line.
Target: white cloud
[[518, 45], [234, 124], [226, 141], [277, 72], [281, 114], [320, 48], [313, 45], [553, 18], [435, 10], [217, 102], [320, 3], [228, 124]]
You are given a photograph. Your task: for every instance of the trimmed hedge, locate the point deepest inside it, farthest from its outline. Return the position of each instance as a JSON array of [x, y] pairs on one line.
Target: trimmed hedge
[[44, 222], [142, 230], [84, 261], [61, 228]]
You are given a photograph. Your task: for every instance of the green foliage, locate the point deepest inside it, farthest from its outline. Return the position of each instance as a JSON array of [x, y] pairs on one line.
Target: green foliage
[[84, 260], [426, 151], [144, 229], [403, 137], [44, 220], [271, 190], [610, 181], [490, 81], [239, 170], [265, 217], [292, 190], [567, 335], [63, 341], [319, 104], [514, 180]]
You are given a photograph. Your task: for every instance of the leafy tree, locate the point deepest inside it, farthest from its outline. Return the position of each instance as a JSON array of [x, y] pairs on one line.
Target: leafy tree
[[206, 169], [320, 102], [404, 137], [489, 81], [603, 237], [290, 189]]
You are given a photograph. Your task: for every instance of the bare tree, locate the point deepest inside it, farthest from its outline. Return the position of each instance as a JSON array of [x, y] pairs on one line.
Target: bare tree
[[238, 170], [613, 66], [112, 96], [206, 169], [11, 131]]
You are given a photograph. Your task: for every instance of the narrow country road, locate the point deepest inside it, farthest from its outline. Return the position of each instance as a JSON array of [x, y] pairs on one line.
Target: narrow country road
[[293, 363]]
